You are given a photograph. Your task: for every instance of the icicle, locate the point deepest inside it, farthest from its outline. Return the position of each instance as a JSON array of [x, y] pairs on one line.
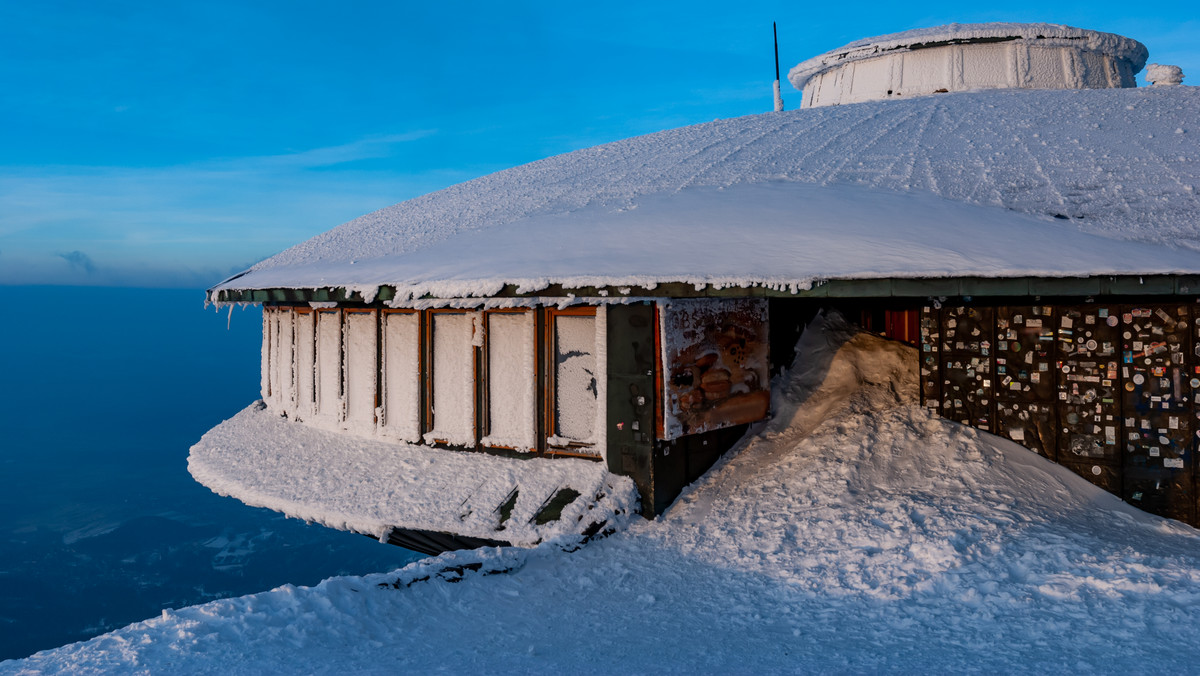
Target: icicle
[[229, 318]]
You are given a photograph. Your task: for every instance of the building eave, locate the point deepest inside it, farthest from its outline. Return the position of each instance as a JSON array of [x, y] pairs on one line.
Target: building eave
[[951, 287]]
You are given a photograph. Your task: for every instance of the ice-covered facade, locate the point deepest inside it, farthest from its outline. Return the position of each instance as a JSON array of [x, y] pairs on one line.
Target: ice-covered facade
[[598, 327], [962, 57]]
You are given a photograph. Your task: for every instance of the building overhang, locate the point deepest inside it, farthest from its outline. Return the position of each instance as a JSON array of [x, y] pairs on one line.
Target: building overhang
[[929, 287]]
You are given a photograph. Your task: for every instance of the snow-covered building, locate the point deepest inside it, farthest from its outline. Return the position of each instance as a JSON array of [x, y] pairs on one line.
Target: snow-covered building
[[608, 320]]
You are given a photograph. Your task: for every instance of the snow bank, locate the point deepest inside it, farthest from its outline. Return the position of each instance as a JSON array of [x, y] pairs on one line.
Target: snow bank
[[370, 486], [855, 533], [1119, 163]]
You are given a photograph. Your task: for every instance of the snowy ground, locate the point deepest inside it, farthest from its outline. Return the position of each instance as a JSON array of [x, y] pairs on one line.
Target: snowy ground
[[855, 532]]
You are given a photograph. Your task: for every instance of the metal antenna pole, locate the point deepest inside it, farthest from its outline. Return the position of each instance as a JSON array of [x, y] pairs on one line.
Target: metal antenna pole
[[778, 95]]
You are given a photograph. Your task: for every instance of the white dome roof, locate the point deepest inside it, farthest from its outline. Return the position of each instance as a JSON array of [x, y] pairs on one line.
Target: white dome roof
[[1031, 33]]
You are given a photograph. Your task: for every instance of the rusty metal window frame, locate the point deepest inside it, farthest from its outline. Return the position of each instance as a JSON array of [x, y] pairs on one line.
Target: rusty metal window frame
[[550, 406]]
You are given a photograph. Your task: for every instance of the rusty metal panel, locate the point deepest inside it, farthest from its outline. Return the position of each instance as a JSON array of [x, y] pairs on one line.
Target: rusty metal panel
[[968, 383], [716, 362], [1025, 383], [1106, 476], [1157, 396], [1088, 385], [1031, 424], [931, 366], [1025, 353], [1167, 492]]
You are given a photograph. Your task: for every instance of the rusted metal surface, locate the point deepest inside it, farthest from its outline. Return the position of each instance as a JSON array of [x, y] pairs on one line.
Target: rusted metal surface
[[716, 355]]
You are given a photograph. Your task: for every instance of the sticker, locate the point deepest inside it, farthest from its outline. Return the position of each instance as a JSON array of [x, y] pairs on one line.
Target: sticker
[[1173, 463], [1128, 387], [1138, 378], [1112, 321], [1154, 453], [1016, 434], [1034, 323], [1194, 382], [1092, 345], [1096, 470], [1067, 323]]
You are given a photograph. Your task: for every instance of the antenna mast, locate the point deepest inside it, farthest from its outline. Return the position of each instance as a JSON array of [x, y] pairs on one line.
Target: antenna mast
[[778, 95]]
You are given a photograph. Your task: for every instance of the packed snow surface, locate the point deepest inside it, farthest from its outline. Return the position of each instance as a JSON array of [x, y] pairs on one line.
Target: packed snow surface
[[370, 486], [997, 183], [1047, 34], [854, 532]]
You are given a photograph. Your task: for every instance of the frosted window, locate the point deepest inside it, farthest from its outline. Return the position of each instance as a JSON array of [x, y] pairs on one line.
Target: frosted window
[[282, 387], [306, 363], [362, 370], [329, 365], [401, 375], [511, 380], [453, 379], [575, 381], [984, 66]]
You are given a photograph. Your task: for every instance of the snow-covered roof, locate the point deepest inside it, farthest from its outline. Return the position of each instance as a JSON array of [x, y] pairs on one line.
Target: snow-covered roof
[[1040, 33], [996, 184]]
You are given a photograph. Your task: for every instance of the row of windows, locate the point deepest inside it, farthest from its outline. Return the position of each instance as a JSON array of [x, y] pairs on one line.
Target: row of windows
[[514, 379]]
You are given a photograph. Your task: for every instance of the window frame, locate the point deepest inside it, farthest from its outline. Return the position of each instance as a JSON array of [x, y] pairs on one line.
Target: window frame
[[593, 450]]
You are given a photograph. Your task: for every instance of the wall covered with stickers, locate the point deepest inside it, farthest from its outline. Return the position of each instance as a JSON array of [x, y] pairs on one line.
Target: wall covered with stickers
[[1108, 390]]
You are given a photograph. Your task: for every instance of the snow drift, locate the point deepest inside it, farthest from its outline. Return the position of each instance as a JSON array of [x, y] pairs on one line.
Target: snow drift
[[853, 532]]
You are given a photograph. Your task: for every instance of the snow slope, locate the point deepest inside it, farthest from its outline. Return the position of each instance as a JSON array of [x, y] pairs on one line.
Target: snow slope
[[1120, 163], [854, 532]]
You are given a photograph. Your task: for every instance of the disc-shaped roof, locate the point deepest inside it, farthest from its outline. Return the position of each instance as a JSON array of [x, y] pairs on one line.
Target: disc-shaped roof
[[1012, 174], [1045, 34]]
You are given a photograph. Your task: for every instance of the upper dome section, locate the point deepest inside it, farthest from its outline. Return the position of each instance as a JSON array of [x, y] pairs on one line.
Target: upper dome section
[[958, 57]]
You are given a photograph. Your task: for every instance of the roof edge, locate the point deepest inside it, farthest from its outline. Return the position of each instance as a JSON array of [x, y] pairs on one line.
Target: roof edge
[[891, 287]]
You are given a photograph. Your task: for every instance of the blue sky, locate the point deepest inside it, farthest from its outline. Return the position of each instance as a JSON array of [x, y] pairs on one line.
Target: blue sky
[[170, 144]]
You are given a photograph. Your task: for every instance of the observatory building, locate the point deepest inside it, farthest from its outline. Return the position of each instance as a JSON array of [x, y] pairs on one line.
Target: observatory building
[[544, 350]]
